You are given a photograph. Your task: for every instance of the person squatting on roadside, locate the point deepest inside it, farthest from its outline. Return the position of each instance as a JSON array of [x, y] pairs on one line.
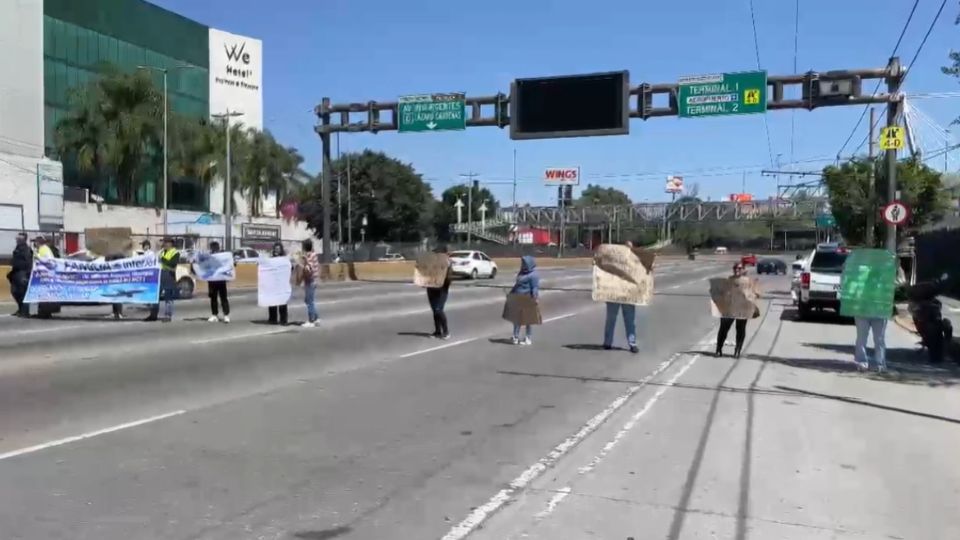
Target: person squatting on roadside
[[277, 314], [528, 283], [19, 276], [742, 280], [437, 296], [218, 290]]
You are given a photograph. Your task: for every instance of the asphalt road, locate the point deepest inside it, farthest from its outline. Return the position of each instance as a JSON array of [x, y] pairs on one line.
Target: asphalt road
[[361, 428]]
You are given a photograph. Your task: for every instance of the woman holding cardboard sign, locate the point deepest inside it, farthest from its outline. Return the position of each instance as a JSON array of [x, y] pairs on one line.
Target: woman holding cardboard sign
[[521, 308], [732, 299]]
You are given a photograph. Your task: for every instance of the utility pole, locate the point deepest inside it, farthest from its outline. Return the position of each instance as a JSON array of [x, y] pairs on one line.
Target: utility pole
[[514, 220], [349, 208], [894, 108], [325, 186], [470, 181], [871, 185], [946, 149], [339, 197]]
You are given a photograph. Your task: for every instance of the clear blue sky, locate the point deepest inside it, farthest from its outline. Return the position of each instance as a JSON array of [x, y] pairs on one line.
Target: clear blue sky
[[357, 50]]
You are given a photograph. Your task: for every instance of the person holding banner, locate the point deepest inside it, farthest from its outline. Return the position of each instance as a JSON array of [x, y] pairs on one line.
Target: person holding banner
[[527, 284], [278, 314], [629, 321], [45, 310], [169, 258], [437, 296], [218, 290], [19, 276]]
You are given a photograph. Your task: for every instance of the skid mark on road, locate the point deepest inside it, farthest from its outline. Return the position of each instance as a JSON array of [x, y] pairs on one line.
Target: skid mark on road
[[88, 435]]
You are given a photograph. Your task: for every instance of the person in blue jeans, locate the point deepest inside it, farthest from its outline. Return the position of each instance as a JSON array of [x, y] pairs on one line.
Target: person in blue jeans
[[879, 328], [528, 282], [311, 275], [629, 324]]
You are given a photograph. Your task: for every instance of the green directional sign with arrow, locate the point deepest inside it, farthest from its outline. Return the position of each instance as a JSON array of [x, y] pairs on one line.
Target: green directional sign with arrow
[[431, 112]]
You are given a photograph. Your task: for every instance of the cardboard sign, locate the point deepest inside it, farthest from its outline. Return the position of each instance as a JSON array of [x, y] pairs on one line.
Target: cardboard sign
[[431, 270], [522, 309], [622, 276], [106, 241], [734, 298], [867, 284]]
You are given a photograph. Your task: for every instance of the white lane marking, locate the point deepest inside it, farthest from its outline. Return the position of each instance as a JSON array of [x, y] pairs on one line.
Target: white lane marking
[[89, 435], [481, 513], [439, 348], [48, 329], [560, 495], [240, 336], [564, 316]]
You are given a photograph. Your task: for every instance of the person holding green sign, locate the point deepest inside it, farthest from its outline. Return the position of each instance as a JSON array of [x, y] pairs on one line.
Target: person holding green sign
[[866, 294]]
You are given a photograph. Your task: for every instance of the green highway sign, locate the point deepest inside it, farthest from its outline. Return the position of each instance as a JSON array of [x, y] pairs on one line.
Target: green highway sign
[[725, 93], [826, 221], [431, 112]]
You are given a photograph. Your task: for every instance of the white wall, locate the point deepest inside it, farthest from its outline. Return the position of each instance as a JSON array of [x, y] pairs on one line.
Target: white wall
[[18, 185], [143, 221], [21, 78]]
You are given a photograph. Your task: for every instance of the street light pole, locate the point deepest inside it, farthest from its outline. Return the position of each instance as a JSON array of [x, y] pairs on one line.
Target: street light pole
[[228, 185]]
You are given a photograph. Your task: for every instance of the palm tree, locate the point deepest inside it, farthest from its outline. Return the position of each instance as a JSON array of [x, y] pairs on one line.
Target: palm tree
[[113, 128], [265, 167]]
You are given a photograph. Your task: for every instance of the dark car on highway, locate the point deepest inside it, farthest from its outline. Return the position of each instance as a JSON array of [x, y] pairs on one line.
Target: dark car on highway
[[771, 266]]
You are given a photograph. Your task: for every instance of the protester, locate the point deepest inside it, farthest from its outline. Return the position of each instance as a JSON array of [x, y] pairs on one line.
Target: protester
[[437, 296], [169, 259], [274, 311], [215, 290], [19, 275], [528, 283], [146, 247], [117, 308], [310, 276], [45, 310], [746, 284], [629, 321]]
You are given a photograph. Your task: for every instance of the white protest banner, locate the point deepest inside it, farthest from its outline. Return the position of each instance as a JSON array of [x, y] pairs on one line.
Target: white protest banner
[[273, 281], [215, 266], [622, 276]]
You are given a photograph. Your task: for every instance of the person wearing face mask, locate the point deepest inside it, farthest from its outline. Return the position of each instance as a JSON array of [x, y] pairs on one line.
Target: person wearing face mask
[[746, 284], [278, 314]]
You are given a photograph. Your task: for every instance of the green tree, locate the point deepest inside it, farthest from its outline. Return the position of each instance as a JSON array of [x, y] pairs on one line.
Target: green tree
[[851, 200], [595, 195], [445, 213], [113, 129], [394, 198]]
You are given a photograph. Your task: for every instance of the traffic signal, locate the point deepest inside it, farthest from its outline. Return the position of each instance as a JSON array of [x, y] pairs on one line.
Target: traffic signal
[[570, 106]]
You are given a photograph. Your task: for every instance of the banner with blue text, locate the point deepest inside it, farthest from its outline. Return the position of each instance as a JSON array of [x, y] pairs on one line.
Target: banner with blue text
[[134, 280]]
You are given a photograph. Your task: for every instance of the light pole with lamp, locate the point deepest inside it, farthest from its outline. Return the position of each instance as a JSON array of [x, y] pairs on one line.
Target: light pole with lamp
[[228, 196], [164, 71]]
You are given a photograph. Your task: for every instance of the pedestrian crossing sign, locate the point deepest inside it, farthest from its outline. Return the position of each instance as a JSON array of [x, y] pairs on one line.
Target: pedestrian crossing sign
[[891, 138], [751, 96]]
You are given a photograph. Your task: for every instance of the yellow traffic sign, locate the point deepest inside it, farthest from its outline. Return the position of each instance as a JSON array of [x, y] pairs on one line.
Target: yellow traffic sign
[[891, 138], [751, 96]]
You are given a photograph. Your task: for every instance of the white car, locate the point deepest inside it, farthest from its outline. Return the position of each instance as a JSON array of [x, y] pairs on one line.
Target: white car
[[820, 279], [246, 255], [472, 264], [392, 257]]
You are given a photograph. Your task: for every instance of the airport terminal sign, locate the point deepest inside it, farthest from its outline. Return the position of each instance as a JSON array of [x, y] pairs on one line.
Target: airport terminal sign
[[722, 94]]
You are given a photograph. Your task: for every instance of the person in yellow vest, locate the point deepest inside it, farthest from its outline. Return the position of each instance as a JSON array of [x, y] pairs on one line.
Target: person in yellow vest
[[45, 310], [169, 258]]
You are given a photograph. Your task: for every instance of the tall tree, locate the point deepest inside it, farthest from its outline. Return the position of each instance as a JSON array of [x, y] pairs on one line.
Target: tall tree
[[851, 200], [594, 195], [394, 198], [113, 127], [445, 213]]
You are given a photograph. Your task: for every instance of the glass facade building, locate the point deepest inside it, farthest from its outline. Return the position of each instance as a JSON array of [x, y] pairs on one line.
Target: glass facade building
[[80, 39]]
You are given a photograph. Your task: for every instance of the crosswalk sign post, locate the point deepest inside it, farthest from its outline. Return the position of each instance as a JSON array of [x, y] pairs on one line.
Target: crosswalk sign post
[[892, 138]]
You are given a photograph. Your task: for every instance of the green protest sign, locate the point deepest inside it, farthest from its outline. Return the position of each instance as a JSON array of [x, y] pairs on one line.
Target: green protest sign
[[867, 284]]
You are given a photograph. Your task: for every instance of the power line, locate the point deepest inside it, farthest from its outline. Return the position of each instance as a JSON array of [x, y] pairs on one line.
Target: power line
[[896, 47], [924, 42], [756, 48]]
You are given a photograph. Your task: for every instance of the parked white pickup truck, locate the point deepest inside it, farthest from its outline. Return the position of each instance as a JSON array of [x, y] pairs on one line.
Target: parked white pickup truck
[[820, 279]]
